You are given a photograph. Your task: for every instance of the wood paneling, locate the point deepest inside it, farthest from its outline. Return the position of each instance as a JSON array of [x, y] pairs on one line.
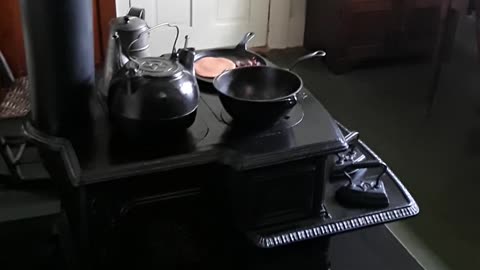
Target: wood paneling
[[365, 29], [477, 9], [11, 39], [105, 13], [96, 33]]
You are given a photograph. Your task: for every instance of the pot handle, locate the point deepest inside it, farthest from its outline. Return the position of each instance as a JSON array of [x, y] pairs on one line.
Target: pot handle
[[174, 50], [319, 53], [300, 96], [243, 45], [137, 12]]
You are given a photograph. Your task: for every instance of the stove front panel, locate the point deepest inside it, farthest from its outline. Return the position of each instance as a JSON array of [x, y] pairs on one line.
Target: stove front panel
[[277, 194], [184, 232]]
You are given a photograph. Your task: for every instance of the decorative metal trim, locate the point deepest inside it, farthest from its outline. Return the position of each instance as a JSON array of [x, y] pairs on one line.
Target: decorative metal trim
[[311, 232], [320, 230]]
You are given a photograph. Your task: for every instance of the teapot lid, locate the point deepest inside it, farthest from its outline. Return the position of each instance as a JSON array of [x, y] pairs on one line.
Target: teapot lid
[[129, 23], [158, 67]]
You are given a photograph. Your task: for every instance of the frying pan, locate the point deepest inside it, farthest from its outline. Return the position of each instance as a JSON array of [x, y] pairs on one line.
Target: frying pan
[[239, 54], [260, 94]]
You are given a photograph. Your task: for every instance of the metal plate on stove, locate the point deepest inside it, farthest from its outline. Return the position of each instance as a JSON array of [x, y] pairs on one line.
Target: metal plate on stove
[[171, 144], [292, 119]]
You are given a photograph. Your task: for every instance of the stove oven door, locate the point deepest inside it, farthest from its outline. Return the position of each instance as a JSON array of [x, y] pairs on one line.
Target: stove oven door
[[278, 194]]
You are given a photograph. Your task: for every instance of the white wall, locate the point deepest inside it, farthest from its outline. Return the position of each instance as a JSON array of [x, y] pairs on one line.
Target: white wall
[[287, 23]]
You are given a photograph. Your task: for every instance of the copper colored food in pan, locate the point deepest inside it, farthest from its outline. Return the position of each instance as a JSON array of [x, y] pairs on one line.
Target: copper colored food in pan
[[211, 67]]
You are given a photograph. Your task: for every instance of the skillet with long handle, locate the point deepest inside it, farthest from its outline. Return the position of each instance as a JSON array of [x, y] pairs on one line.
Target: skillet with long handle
[[239, 54]]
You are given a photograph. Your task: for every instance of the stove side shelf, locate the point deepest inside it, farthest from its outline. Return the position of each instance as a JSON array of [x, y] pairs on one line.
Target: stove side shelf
[[315, 228], [56, 151], [61, 159]]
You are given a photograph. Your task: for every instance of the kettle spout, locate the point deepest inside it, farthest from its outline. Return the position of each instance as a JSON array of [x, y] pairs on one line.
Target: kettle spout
[[114, 60], [186, 57]]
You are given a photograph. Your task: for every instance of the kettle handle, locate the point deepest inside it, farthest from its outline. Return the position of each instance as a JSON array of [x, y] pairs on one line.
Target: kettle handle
[[174, 50], [137, 12]]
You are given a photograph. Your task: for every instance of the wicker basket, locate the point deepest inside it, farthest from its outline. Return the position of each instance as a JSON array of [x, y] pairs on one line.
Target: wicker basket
[[17, 100]]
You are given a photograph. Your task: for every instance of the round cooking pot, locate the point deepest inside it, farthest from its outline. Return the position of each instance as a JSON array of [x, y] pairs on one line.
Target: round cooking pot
[[260, 94]]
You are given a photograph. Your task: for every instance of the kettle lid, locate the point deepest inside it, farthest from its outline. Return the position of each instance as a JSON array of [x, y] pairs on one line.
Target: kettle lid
[[158, 67], [129, 23]]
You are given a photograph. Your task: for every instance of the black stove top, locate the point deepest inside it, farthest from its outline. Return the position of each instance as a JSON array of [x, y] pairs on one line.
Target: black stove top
[[98, 154]]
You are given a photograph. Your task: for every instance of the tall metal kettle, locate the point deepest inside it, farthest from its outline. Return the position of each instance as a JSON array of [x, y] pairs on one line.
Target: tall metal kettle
[[123, 31]]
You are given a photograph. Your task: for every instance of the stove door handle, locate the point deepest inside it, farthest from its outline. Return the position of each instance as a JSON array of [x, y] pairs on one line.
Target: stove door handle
[[368, 164], [352, 137]]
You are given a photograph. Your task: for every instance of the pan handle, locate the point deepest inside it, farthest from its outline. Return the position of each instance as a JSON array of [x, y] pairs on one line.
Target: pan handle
[[319, 53], [243, 45]]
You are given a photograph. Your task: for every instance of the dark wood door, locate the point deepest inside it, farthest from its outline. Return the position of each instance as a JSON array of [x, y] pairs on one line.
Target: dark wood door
[[368, 24], [421, 24], [11, 37]]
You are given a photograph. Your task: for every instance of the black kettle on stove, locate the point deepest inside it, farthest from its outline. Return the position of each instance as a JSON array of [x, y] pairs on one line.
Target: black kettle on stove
[[155, 96]]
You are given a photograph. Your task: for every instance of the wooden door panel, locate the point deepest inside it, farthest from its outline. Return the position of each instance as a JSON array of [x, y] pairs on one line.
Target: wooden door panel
[[105, 13], [367, 24], [96, 33], [427, 3], [371, 27], [422, 19], [370, 5]]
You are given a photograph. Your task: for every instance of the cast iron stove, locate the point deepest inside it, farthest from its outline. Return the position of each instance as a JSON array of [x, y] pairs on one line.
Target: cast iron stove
[[217, 195], [218, 186]]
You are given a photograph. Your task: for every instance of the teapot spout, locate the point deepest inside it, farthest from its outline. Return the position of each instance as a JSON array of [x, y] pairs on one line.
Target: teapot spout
[[114, 60]]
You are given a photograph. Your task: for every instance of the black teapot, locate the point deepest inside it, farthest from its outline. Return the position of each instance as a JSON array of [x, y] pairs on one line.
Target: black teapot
[[155, 96]]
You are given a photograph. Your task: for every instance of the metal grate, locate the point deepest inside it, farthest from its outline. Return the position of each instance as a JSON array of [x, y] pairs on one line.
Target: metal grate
[[17, 100]]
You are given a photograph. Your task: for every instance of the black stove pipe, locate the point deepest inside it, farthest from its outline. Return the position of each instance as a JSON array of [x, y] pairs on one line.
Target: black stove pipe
[[59, 46]]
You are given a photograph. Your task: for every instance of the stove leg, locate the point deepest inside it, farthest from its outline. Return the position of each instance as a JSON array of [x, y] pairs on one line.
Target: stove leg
[[319, 188], [75, 202]]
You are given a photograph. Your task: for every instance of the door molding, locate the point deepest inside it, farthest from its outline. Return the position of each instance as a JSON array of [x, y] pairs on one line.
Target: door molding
[[106, 11], [290, 15]]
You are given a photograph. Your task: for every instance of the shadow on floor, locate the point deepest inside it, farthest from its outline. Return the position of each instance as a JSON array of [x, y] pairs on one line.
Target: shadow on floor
[[437, 157]]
